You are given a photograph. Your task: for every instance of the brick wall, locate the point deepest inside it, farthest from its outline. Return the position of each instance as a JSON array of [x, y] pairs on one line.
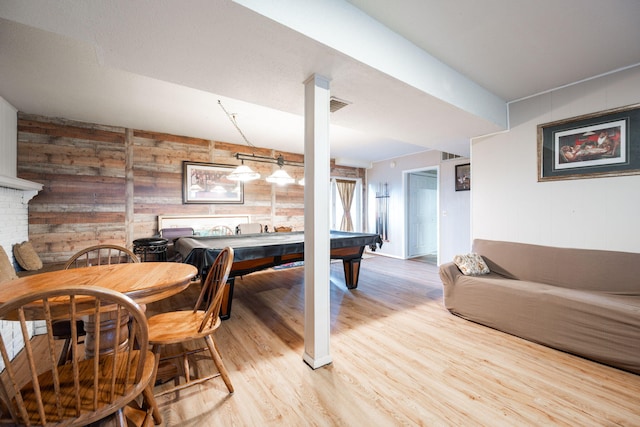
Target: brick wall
[[14, 217]]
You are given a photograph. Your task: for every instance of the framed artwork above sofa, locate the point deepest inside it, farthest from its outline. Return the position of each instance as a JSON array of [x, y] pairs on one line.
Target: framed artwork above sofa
[[601, 144]]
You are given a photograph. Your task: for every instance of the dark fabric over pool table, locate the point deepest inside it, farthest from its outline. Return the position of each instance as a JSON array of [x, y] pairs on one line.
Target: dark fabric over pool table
[[202, 251]]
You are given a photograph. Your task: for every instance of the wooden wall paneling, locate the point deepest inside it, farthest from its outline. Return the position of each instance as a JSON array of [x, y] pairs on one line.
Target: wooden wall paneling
[[129, 210], [58, 242], [107, 184], [63, 189], [82, 168], [272, 214], [164, 187], [159, 136], [289, 206], [164, 157], [158, 176], [57, 234], [57, 127], [56, 218]]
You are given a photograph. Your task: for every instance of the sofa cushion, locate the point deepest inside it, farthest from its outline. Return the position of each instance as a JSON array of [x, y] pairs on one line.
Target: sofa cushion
[[471, 264], [600, 326], [7, 272], [26, 256], [594, 270]]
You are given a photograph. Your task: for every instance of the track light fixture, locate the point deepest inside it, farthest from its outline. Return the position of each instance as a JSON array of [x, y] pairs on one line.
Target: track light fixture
[[245, 173]]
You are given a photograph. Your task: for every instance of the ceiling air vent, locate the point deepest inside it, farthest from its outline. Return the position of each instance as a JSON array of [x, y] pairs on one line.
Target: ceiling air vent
[[449, 156], [335, 104]]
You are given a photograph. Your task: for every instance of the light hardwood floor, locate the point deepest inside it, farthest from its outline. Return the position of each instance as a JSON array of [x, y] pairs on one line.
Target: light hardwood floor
[[399, 358]]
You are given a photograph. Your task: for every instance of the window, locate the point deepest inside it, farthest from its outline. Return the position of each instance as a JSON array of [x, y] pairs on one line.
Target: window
[[337, 209]]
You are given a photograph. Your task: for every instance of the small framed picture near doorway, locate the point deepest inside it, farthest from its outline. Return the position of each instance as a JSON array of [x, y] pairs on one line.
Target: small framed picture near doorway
[[463, 177]]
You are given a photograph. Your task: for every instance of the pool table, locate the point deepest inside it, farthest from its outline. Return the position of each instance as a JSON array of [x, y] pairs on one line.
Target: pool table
[[254, 252]]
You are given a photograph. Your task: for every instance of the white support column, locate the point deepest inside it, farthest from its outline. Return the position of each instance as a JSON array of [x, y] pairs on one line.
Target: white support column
[[317, 325]]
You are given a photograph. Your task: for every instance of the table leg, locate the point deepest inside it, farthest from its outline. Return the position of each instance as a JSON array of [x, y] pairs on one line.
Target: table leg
[[225, 309], [108, 324], [351, 272]]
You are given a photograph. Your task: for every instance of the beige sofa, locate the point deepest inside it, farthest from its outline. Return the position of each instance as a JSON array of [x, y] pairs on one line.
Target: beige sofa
[[585, 302]]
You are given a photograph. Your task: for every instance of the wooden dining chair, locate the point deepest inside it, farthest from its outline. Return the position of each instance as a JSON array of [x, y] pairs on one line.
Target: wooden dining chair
[[191, 326], [221, 230], [249, 228], [35, 390], [94, 255], [104, 254]]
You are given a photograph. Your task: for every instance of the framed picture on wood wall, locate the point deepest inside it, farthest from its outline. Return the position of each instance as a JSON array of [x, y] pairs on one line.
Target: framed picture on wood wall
[[208, 183], [463, 177], [601, 144]]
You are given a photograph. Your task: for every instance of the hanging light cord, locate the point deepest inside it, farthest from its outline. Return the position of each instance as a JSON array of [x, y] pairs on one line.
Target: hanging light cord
[[235, 124]]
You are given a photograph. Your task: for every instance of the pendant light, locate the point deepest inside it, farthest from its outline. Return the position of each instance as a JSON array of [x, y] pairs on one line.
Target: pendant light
[[243, 172], [280, 177]]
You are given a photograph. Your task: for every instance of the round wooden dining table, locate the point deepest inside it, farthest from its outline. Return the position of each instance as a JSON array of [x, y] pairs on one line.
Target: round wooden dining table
[[144, 282]]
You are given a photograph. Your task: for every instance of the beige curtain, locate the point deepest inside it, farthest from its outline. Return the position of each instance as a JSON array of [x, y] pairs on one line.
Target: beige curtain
[[346, 190]]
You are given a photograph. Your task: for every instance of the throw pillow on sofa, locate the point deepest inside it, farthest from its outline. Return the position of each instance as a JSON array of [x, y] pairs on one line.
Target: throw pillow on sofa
[[471, 264]]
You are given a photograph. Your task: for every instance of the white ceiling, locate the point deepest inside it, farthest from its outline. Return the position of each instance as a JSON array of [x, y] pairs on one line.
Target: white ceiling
[[420, 74]]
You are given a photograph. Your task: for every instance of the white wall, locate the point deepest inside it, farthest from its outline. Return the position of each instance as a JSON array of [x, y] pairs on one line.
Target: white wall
[[8, 139], [508, 202], [454, 207], [455, 213], [14, 210], [13, 206], [15, 193]]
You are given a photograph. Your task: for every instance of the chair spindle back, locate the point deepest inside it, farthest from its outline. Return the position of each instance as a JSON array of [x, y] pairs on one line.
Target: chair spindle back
[[101, 255], [213, 288], [36, 390]]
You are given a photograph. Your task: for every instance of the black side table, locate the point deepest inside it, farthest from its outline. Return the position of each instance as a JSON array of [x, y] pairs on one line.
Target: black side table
[[154, 246]]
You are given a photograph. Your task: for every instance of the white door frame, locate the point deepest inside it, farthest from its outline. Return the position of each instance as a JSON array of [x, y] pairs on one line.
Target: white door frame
[[405, 185]]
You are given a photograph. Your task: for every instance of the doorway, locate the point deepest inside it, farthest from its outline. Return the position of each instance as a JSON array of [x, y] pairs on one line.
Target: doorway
[[422, 215]]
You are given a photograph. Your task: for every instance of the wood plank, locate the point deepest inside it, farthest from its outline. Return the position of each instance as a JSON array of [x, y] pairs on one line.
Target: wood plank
[[129, 217], [159, 136], [54, 218], [43, 121]]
